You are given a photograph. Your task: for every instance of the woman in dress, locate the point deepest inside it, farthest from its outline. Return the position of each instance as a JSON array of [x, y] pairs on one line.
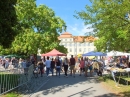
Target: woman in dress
[[82, 63]]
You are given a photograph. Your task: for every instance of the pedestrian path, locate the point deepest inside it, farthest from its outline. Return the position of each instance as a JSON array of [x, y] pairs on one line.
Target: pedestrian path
[[78, 86], [33, 86]]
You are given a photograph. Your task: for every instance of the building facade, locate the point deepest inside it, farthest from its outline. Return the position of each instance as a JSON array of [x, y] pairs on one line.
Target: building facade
[[77, 44]]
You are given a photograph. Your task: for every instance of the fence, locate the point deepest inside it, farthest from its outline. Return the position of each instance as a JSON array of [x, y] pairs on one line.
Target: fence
[[14, 78]]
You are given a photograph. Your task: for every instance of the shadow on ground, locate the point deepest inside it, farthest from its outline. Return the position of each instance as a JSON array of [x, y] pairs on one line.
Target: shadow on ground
[[121, 94], [85, 93], [56, 84]]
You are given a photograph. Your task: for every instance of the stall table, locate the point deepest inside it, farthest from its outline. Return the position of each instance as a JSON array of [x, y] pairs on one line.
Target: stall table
[[121, 72]]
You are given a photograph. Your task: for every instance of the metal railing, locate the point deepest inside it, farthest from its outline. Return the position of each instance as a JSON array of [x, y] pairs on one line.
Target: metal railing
[[14, 78]]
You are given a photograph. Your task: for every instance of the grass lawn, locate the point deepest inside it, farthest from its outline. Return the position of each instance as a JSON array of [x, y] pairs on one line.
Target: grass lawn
[[12, 94], [126, 78], [107, 82]]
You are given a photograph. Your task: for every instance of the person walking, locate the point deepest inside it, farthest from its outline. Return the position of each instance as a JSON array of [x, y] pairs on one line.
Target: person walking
[[82, 69], [36, 71], [96, 67], [86, 66], [61, 64], [58, 66], [72, 65], [90, 67], [41, 66], [65, 64], [48, 65], [20, 62], [44, 60], [24, 66], [52, 66]]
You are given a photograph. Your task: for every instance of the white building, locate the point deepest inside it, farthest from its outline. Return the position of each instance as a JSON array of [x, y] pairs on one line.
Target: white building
[[77, 44]]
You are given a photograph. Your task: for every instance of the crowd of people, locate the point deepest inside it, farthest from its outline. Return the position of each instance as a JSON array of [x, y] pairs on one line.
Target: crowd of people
[[15, 63], [57, 65], [122, 62], [69, 66], [81, 65]]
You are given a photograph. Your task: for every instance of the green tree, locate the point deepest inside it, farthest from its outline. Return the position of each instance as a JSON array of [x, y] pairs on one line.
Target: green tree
[[110, 20], [39, 18], [8, 21], [50, 42], [38, 29]]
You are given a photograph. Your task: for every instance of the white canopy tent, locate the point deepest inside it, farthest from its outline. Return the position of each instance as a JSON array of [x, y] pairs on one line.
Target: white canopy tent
[[117, 53]]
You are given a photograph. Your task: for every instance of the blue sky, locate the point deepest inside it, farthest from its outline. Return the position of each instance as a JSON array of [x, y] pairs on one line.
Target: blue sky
[[65, 9]]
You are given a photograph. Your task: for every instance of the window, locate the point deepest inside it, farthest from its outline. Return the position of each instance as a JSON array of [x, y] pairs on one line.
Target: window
[[74, 44], [89, 49], [84, 49], [79, 44], [65, 39], [70, 44], [70, 50], [88, 43], [92, 44], [75, 50], [84, 44], [80, 50], [70, 39], [65, 44]]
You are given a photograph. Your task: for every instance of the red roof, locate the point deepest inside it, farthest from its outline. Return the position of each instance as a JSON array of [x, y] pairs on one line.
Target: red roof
[[77, 38], [66, 33]]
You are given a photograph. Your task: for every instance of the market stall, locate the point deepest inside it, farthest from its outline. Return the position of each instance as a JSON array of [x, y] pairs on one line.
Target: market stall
[[118, 73]]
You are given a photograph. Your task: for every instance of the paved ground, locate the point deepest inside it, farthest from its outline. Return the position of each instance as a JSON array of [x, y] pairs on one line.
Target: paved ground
[[79, 86]]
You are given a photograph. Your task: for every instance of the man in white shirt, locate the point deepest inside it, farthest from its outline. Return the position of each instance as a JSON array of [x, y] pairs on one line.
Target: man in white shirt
[[48, 65]]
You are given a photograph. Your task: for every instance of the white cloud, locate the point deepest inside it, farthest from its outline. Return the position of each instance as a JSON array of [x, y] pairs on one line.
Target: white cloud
[[79, 29]]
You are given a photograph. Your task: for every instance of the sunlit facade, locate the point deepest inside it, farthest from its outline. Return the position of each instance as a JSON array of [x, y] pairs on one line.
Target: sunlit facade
[[77, 44]]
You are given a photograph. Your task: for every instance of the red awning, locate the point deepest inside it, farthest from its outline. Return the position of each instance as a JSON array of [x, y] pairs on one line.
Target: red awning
[[54, 52]]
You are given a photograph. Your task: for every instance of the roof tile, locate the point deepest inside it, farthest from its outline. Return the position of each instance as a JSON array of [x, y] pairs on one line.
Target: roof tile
[[77, 38]]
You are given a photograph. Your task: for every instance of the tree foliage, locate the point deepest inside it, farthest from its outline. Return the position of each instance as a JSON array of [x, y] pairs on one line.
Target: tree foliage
[[8, 21], [110, 20], [38, 28], [39, 18]]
